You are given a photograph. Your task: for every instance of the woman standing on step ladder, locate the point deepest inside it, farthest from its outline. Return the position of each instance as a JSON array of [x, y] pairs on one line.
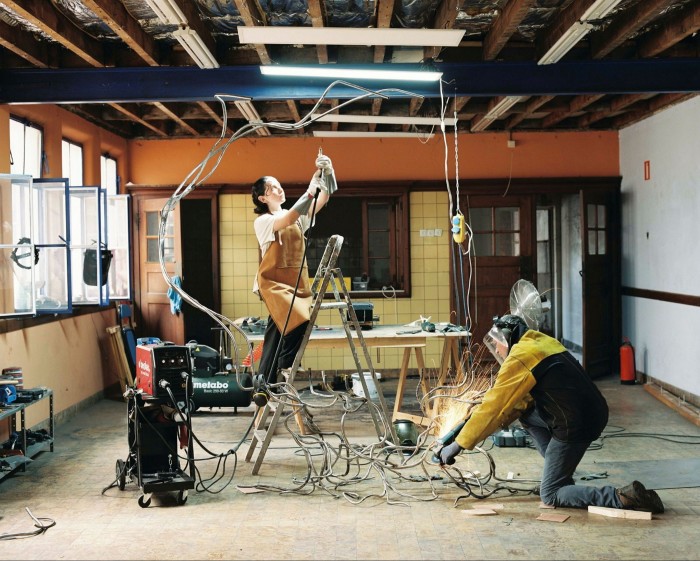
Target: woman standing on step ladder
[[282, 280]]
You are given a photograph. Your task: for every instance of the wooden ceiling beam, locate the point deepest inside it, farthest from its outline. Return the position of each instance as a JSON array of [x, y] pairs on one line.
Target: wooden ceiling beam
[[504, 27], [251, 15], [126, 27], [445, 18], [316, 15], [674, 29], [53, 23]]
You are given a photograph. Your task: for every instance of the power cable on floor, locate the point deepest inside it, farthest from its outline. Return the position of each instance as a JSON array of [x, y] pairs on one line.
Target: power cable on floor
[[42, 524]]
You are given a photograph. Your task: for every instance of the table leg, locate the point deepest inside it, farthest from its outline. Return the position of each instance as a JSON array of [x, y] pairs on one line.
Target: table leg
[[403, 373]]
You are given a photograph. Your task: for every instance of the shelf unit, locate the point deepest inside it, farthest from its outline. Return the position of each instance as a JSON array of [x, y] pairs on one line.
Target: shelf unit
[[15, 463]]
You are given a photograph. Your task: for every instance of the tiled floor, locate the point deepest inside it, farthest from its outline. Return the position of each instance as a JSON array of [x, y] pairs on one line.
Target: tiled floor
[[324, 520]]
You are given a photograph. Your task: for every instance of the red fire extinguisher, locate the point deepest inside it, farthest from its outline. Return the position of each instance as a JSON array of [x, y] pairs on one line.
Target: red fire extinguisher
[[628, 370]]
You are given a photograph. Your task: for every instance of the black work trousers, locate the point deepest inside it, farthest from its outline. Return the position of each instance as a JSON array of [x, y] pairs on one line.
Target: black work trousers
[[290, 343]]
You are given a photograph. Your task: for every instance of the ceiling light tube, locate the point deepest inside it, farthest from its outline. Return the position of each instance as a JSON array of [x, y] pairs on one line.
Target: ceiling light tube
[[360, 36], [565, 43], [497, 111], [599, 9], [251, 114], [381, 119], [332, 71], [195, 47], [168, 11], [380, 134]]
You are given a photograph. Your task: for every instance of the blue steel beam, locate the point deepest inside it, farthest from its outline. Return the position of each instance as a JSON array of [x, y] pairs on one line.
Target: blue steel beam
[[166, 84]]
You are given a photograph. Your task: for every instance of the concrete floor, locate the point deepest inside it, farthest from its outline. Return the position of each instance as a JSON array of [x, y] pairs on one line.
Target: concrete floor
[[95, 520]]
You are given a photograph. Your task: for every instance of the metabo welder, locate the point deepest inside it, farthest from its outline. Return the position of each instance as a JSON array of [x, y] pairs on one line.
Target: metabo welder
[[214, 382]]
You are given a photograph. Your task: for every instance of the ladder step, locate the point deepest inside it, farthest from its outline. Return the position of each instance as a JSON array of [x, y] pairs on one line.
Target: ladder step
[[334, 306], [260, 435]]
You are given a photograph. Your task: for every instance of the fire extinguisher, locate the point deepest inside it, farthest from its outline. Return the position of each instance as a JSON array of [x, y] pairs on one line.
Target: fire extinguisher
[[628, 370]]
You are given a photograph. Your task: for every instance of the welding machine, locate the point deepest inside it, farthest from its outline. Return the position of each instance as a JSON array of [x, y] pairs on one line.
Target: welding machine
[[162, 366]]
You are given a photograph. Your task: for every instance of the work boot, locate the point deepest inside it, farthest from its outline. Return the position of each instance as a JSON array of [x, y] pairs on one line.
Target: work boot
[[636, 497]]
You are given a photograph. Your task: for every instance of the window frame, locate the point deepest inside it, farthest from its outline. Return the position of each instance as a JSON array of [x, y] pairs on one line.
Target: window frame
[[400, 257], [27, 124]]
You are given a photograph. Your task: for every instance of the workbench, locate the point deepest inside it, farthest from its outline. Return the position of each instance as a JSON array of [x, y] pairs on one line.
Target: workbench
[[412, 340]]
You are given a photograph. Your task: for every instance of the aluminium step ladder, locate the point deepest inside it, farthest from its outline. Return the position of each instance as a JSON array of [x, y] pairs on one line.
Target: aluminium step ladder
[[327, 276]]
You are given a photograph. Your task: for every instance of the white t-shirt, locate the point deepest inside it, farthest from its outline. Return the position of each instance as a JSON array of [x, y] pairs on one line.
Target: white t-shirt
[[264, 231]]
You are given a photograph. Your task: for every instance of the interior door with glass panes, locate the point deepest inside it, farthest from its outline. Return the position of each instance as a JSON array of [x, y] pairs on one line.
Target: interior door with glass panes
[[157, 319], [502, 252]]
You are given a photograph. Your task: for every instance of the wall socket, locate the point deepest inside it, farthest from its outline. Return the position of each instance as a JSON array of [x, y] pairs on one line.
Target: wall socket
[[511, 144], [431, 233]]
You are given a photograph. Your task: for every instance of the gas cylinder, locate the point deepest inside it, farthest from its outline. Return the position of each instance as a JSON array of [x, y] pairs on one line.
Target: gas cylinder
[[628, 370]]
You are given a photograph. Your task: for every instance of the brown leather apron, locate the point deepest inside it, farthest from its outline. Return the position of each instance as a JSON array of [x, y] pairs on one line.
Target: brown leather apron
[[277, 276]]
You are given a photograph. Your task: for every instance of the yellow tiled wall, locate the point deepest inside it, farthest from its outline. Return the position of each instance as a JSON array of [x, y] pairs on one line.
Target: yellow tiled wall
[[430, 280]]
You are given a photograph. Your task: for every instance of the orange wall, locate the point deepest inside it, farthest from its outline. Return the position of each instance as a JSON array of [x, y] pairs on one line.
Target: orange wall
[[169, 162]]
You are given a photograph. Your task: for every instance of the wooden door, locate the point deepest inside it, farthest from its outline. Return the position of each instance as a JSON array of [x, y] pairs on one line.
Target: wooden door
[[156, 318], [600, 274], [503, 252]]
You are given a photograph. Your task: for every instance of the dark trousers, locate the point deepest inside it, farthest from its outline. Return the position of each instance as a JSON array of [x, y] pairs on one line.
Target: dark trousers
[[289, 346]]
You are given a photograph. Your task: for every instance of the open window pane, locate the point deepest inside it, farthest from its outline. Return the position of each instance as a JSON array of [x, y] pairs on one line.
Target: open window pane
[[17, 246], [53, 289], [119, 242]]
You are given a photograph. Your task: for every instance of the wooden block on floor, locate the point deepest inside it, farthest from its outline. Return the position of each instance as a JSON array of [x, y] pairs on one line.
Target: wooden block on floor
[[620, 513], [552, 517], [479, 511]]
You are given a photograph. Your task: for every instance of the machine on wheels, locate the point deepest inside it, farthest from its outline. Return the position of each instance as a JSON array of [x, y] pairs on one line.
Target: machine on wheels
[[160, 457]]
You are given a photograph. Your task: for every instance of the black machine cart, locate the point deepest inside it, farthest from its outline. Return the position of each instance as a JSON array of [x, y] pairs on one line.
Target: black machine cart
[[156, 432]]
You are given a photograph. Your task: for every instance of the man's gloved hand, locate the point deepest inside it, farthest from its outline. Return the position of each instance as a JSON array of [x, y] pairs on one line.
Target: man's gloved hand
[[448, 453]]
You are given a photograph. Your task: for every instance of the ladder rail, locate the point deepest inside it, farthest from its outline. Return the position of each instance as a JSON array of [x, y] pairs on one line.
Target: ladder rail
[[326, 275]]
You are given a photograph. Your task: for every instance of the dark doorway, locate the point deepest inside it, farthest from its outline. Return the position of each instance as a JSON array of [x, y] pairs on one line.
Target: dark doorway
[[197, 232]]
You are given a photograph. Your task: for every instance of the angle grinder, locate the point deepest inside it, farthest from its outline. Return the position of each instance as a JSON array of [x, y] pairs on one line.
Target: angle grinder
[[447, 439]]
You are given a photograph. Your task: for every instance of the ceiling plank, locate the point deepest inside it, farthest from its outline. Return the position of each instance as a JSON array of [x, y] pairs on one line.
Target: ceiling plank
[[676, 28], [136, 118], [316, 15], [53, 23], [633, 19], [23, 45], [659, 103], [251, 15], [503, 28], [577, 104], [615, 106], [175, 117], [444, 19], [531, 107], [126, 27]]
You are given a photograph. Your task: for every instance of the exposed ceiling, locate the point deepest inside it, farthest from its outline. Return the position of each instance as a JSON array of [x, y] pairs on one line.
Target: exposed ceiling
[[119, 65]]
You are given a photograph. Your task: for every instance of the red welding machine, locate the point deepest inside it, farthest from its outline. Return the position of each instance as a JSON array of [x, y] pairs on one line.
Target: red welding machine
[[162, 366]]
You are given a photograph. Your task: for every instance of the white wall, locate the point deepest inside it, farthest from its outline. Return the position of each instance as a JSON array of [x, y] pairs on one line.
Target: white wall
[[661, 242]]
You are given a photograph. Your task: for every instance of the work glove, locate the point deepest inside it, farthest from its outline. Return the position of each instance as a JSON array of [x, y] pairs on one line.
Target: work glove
[[328, 183], [303, 205], [448, 453]]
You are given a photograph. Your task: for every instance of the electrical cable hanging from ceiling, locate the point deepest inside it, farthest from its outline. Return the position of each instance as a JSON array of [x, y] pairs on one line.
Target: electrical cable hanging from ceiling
[[201, 173]]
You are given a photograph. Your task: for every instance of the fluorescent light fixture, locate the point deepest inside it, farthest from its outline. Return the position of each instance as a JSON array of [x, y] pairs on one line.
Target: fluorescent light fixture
[[565, 43], [332, 71], [367, 36], [496, 112], [195, 47], [382, 120], [599, 9], [251, 114], [361, 134], [168, 11]]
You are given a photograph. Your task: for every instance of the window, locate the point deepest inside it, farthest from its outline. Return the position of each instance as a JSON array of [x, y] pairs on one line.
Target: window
[[72, 162], [496, 231], [375, 244], [63, 245], [596, 229], [110, 181], [25, 148]]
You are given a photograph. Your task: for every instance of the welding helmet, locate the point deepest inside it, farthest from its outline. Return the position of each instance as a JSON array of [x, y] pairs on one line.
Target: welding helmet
[[505, 333]]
